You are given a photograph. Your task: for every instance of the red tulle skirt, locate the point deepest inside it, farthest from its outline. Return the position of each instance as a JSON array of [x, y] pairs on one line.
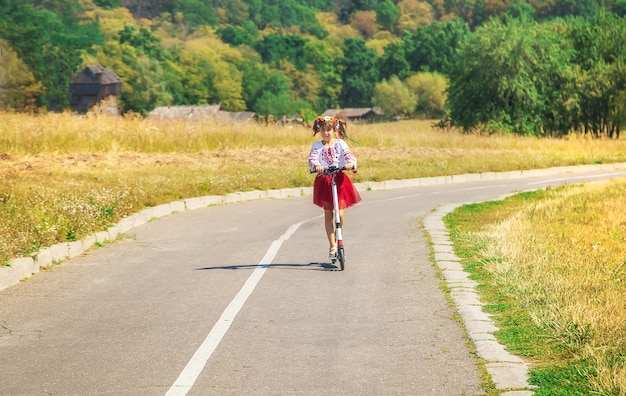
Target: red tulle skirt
[[323, 193]]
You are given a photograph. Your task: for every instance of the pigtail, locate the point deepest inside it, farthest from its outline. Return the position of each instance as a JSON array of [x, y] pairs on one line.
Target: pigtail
[[342, 131]]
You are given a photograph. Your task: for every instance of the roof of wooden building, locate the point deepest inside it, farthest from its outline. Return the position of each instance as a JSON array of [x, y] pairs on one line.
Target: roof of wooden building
[[96, 74]]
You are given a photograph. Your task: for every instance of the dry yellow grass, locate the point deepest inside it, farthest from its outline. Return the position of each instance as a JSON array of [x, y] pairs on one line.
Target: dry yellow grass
[[563, 258], [52, 164]]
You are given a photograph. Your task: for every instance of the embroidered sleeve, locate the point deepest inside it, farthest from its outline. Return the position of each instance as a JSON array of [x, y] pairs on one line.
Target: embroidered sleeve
[[314, 155], [346, 154]]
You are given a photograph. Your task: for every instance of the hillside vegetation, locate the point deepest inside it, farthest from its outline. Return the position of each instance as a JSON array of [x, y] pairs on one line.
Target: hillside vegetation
[[532, 67]]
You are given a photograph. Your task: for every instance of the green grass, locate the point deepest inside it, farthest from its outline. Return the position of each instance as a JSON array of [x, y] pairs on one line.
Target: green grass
[[573, 347]]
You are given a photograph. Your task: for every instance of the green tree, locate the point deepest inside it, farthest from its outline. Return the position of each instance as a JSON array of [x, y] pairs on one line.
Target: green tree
[[600, 55], [434, 47], [196, 12], [563, 8], [619, 7], [260, 80], [387, 14], [275, 47], [430, 90], [359, 75], [521, 10], [107, 4], [512, 77], [49, 45], [325, 60], [237, 12], [280, 105], [393, 62], [394, 97], [235, 36], [143, 40], [147, 88], [148, 8], [285, 13]]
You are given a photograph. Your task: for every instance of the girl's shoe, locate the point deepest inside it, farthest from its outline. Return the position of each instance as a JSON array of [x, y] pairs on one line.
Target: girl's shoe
[[332, 253]]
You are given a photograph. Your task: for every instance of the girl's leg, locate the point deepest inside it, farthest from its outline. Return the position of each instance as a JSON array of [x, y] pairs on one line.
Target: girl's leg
[[330, 227]]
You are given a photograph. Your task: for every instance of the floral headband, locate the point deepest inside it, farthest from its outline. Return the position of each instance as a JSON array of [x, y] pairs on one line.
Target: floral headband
[[332, 120], [336, 124]]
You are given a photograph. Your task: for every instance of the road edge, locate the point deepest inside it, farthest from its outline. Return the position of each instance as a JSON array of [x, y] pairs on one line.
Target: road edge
[[508, 372], [23, 268]]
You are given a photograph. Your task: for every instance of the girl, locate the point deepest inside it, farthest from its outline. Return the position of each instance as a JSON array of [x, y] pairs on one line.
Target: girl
[[324, 153]]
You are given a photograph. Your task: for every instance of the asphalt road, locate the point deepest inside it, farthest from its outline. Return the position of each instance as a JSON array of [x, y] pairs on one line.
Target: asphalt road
[[241, 300]]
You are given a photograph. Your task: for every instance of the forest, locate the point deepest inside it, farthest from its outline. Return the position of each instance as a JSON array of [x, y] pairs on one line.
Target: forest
[[529, 67]]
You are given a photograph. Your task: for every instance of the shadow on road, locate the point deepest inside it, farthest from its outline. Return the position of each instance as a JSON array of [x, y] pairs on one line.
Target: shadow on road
[[314, 266]]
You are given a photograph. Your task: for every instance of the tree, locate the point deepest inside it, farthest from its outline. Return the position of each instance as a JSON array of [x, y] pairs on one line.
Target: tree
[[414, 13], [279, 105], [434, 47], [284, 13], [430, 90], [274, 47], [235, 36], [143, 40], [144, 83], [387, 15], [305, 86], [325, 60], [107, 4], [393, 62], [521, 10], [619, 7], [49, 45], [196, 12], [365, 22], [563, 8], [600, 55], [511, 77], [18, 88], [394, 97], [235, 12], [359, 75]]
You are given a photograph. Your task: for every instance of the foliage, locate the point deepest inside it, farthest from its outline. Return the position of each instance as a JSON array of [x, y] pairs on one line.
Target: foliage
[[326, 54], [600, 84], [430, 91], [18, 88], [394, 97], [359, 74], [49, 45], [434, 47], [495, 80], [394, 62], [387, 15], [273, 48]]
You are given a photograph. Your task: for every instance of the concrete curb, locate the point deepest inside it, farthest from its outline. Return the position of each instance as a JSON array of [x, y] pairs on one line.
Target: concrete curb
[[507, 371]]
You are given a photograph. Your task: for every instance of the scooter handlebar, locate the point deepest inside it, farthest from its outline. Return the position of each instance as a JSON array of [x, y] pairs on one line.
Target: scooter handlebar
[[334, 169]]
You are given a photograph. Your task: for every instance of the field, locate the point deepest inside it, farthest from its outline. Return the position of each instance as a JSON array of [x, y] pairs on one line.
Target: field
[[63, 177]]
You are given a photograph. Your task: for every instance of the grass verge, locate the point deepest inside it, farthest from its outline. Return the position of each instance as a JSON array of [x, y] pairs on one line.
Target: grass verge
[[551, 270]]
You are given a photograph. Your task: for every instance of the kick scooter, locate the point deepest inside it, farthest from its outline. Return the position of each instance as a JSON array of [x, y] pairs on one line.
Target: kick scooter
[[341, 254]]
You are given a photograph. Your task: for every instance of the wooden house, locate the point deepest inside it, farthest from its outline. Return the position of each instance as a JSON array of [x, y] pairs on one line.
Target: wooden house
[[199, 113], [362, 114], [94, 86]]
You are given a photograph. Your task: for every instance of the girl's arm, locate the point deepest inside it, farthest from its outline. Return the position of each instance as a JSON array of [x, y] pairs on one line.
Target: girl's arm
[[314, 156], [347, 154]]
